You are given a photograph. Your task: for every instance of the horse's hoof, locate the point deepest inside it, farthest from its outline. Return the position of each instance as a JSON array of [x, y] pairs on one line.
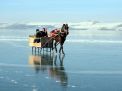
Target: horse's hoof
[[63, 53]]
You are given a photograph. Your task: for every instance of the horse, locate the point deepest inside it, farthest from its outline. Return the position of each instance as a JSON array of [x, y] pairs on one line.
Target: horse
[[59, 37]]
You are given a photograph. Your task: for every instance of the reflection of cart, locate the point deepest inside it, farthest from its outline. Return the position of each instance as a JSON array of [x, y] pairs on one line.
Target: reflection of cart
[[45, 42]]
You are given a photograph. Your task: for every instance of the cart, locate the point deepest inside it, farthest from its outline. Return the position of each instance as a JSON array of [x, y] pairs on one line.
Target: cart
[[45, 43]]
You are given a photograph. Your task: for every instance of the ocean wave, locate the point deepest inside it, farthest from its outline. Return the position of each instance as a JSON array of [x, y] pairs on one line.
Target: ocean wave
[[24, 26], [70, 40]]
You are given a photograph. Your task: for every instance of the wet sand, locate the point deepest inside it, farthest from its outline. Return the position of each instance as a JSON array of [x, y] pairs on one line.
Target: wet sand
[[86, 66]]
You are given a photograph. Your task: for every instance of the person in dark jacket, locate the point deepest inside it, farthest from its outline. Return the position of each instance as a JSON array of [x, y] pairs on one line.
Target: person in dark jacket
[[44, 32], [38, 36]]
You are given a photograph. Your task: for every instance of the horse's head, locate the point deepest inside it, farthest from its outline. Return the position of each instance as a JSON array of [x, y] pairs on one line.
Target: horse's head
[[65, 29]]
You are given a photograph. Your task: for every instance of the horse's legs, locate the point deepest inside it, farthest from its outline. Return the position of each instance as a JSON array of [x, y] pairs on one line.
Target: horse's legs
[[61, 48], [61, 44], [55, 46]]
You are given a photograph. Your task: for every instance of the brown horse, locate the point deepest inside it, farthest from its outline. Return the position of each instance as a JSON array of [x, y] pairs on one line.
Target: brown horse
[[59, 37]]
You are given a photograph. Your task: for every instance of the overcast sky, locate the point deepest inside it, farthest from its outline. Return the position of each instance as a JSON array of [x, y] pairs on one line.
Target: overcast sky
[[60, 10]]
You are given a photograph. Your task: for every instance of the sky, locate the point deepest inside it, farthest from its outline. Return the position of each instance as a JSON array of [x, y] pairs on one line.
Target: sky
[[60, 10]]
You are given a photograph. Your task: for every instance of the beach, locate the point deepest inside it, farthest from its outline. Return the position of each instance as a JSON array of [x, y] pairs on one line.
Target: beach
[[91, 63]]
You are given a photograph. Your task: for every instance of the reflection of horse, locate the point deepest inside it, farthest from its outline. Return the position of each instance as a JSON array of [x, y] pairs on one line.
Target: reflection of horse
[[58, 71], [60, 36], [50, 63]]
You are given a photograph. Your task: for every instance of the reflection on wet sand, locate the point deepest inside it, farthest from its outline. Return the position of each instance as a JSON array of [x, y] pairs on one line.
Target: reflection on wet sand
[[51, 63], [41, 62]]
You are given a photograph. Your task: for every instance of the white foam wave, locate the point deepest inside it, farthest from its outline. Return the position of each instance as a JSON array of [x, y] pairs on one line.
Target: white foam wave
[[13, 39], [92, 41], [68, 40], [13, 65], [78, 25]]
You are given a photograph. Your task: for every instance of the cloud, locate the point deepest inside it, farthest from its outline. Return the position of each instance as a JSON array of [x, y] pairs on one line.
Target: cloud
[[94, 25]]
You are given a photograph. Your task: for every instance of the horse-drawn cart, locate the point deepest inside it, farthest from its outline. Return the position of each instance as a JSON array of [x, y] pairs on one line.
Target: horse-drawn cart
[[45, 42]]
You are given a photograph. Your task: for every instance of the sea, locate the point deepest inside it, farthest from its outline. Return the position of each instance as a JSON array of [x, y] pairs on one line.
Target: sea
[[92, 62]]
